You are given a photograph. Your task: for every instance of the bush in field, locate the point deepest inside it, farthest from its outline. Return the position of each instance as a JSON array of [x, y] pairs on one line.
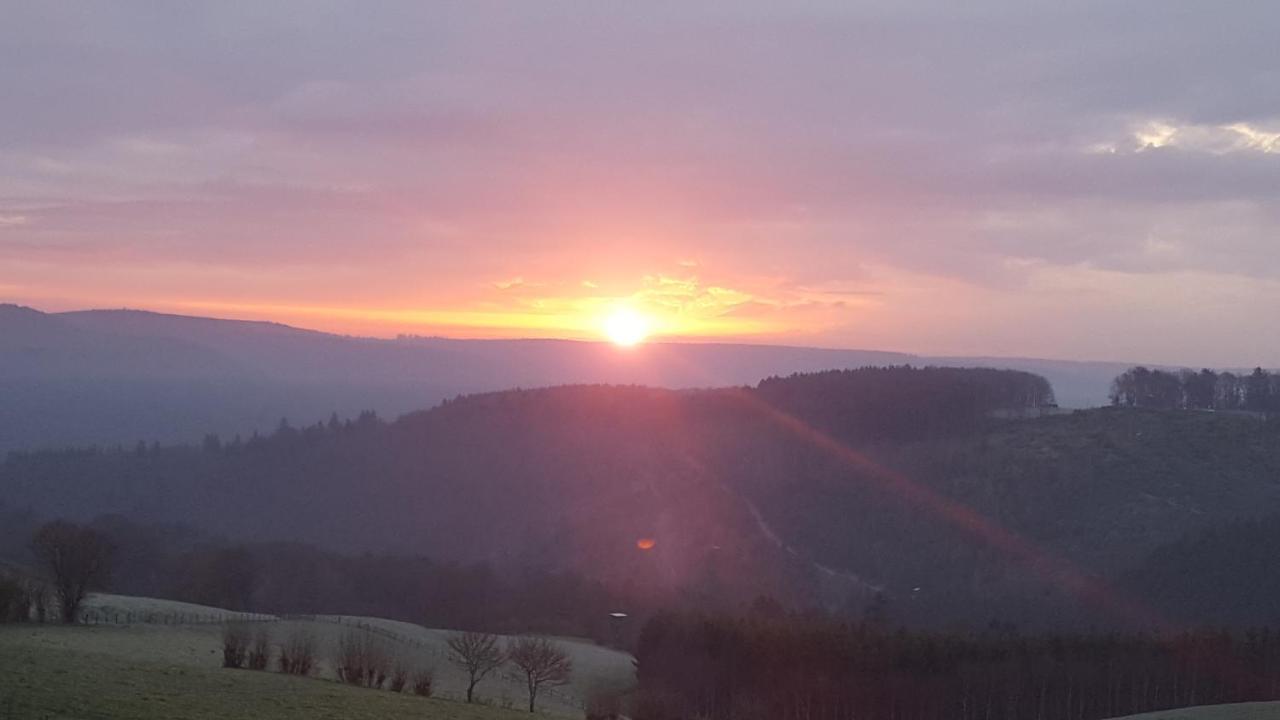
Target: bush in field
[[423, 682], [260, 651], [399, 677], [298, 654], [22, 598], [37, 600], [18, 597], [235, 645], [362, 660], [78, 559], [13, 605], [40, 600]]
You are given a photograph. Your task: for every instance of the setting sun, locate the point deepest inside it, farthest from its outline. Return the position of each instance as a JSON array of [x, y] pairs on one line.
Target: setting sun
[[626, 328]]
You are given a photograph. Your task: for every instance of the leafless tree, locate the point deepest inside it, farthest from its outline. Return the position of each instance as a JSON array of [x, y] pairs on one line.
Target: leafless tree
[[78, 559], [477, 654], [543, 663]]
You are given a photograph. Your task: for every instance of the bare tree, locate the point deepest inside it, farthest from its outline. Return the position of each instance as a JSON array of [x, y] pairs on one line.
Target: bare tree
[[477, 654], [78, 558], [543, 662]]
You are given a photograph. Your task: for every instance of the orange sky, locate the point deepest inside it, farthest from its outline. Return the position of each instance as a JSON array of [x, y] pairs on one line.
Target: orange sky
[[855, 175]]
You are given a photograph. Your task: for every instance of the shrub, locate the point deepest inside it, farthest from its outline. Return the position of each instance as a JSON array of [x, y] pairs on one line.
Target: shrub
[[19, 596], [399, 676], [362, 660], [260, 652], [423, 681], [78, 559], [298, 654], [235, 645], [11, 600], [34, 601], [40, 601]]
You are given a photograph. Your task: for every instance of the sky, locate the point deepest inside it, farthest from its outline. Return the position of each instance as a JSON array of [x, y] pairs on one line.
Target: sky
[[1085, 180]]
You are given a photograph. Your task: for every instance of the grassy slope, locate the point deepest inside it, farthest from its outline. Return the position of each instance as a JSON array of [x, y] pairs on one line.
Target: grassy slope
[[594, 666], [196, 648], [1241, 711], [60, 672]]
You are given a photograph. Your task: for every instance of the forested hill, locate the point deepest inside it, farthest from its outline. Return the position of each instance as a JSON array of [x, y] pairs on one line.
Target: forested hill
[[826, 488], [117, 376], [897, 403]]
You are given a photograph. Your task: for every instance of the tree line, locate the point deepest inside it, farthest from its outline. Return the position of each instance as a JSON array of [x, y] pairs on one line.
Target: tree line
[[65, 561], [904, 402], [1258, 391], [749, 668], [556, 480]]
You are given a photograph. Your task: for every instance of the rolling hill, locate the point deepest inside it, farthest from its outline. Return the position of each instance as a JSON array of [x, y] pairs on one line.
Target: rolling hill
[[819, 491], [170, 668], [111, 377]]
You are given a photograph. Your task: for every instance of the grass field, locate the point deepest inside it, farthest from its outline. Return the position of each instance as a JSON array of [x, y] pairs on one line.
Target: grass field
[[1241, 711], [146, 670], [42, 678]]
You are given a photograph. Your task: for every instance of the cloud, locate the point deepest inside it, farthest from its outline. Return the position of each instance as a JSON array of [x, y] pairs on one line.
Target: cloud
[[1212, 139], [826, 162], [513, 283]]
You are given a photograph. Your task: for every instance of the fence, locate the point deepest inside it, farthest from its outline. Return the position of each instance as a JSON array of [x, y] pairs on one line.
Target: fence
[[109, 616]]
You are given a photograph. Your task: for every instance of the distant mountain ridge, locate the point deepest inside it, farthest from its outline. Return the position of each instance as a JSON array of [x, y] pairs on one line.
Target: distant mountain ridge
[[119, 376]]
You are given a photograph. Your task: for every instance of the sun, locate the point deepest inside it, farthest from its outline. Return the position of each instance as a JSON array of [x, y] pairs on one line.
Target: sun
[[626, 328]]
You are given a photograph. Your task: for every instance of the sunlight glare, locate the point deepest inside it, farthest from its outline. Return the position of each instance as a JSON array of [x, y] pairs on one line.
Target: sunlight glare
[[626, 328]]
